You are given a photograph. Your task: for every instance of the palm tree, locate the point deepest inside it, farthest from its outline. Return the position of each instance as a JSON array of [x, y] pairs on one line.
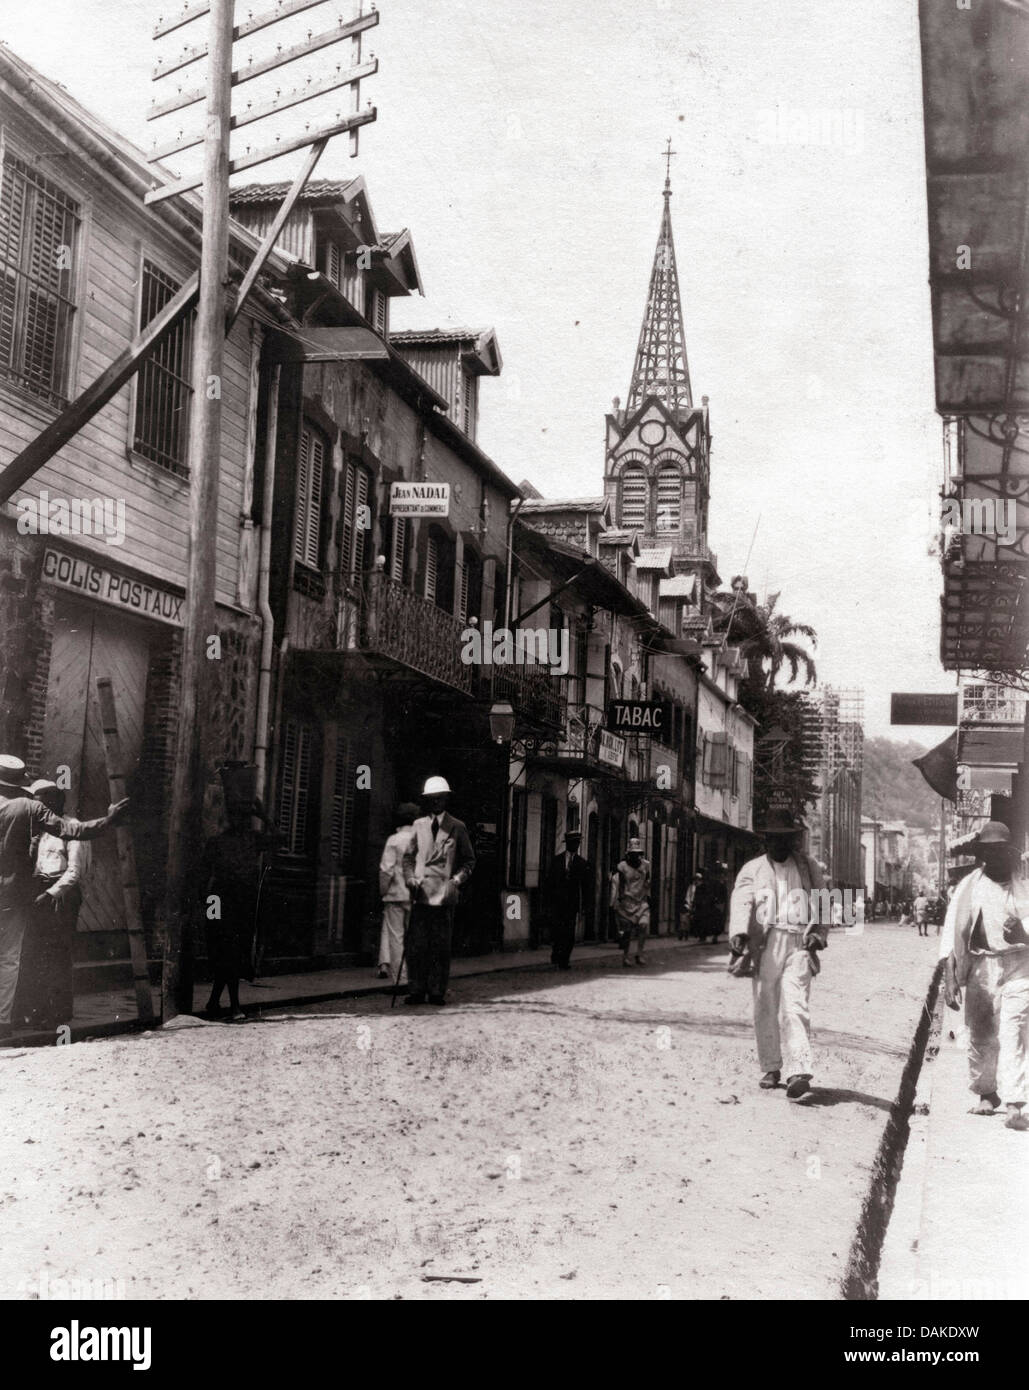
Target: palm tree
[[764, 636]]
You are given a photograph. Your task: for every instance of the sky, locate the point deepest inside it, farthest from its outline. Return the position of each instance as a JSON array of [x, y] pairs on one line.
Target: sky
[[522, 143]]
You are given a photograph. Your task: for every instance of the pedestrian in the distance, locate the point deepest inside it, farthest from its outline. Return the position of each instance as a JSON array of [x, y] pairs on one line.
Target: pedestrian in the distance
[[229, 885], [22, 819], [395, 894], [772, 919], [986, 949], [438, 862], [709, 906], [630, 900], [568, 884], [920, 912], [689, 906], [46, 996]]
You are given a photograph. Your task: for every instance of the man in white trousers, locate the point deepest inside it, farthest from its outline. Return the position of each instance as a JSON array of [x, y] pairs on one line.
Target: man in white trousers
[[395, 894], [985, 945], [773, 915]]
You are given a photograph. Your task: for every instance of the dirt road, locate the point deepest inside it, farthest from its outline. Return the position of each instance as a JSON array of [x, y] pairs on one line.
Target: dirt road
[[597, 1134]]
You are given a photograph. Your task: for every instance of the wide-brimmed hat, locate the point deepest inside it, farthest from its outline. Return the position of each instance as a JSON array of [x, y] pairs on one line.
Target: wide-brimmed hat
[[781, 822], [634, 847], [994, 832], [12, 772]]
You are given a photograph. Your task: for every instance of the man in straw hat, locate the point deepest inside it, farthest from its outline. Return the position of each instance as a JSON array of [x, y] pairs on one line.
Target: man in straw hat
[[773, 916], [22, 817], [437, 862], [985, 945], [630, 900]]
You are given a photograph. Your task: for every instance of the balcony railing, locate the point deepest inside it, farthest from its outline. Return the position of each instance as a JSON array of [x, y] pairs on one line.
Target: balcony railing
[[380, 616], [533, 692]]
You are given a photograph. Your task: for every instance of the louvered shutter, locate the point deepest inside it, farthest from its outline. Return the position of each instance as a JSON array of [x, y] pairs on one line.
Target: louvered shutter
[[398, 549], [634, 500], [12, 231], [343, 806], [287, 783], [303, 492], [313, 528], [669, 499], [361, 489], [333, 263], [431, 566], [462, 580], [302, 796]]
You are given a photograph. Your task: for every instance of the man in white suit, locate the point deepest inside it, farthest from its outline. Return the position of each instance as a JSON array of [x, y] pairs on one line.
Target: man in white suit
[[438, 861], [986, 949], [774, 915]]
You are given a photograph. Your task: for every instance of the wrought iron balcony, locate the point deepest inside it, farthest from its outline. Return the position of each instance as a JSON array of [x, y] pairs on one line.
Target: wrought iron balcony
[[533, 692], [379, 617]]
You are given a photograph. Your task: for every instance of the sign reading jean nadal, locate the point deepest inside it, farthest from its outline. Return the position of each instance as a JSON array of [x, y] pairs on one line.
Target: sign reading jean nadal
[[120, 590], [419, 499]]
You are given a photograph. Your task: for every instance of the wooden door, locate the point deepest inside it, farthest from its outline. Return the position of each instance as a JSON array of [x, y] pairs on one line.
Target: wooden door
[[88, 644]]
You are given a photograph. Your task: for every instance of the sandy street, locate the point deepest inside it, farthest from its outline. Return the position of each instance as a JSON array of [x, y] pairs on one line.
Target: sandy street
[[597, 1134]]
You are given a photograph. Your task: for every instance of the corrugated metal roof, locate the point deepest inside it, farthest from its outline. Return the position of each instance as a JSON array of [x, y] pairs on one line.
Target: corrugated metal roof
[[679, 586], [654, 559]]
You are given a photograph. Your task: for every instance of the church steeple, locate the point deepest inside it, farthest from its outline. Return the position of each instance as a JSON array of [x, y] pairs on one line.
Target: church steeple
[[661, 368]]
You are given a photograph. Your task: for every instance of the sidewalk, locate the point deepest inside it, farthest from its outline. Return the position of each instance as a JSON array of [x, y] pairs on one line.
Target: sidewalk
[[960, 1223], [114, 1011]]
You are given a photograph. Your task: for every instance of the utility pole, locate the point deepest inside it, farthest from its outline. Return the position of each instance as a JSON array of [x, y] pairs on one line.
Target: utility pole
[[215, 314], [195, 704]]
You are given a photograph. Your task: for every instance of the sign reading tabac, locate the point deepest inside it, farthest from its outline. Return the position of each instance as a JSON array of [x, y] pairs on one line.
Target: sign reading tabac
[[924, 709], [419, 499], [639, 716], [97, 581]]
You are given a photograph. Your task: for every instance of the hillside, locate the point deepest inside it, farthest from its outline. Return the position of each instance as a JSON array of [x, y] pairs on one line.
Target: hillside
[[894, 790]]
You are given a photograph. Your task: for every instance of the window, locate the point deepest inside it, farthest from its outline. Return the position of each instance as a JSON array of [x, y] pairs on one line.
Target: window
[[462, 593], [716, 759], [332, 261], [379, 313], [634, 499], [519, 836], [310, 488], [669, 499], [39, 226], [342, 828], [431, 567], [163, 391], [469, 392], [355, 520], [295, 787], [399, 541]]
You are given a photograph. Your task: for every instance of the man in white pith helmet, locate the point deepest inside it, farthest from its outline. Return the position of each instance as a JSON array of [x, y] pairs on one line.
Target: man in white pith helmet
[[630, 900], [437, 863]]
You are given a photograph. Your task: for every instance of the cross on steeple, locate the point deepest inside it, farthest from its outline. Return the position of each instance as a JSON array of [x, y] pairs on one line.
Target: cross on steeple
[[669, 155]]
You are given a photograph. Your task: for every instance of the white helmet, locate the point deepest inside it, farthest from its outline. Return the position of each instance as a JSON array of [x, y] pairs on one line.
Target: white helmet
[[436, 786]]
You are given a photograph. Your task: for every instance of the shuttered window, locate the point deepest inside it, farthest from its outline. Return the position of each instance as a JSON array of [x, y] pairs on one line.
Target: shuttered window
[[399, 534], [163, 390], [332, 264], [669, 499], [342, 828], [354, 519], [295, 787], [469, 390], [379, 312], [634, 499], [310, 487], [39, 226], [431, 567], [716, 759], [462, 593]]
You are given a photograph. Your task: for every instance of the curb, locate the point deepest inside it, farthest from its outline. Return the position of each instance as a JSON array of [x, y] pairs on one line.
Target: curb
[[860, 1279], [84, 1032]]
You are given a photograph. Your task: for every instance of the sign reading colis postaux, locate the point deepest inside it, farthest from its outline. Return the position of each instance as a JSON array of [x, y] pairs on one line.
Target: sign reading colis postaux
[[82, 577], [419, 499]]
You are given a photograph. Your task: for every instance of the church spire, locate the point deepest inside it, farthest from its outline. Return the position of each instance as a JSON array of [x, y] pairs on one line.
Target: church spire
[[661, 368]]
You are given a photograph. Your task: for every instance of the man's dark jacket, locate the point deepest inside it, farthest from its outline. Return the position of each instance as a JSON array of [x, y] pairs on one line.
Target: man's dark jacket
[[567, 887]]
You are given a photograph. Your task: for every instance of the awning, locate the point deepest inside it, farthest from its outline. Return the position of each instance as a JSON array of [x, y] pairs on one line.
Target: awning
[[327, 345], [679, 586]]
